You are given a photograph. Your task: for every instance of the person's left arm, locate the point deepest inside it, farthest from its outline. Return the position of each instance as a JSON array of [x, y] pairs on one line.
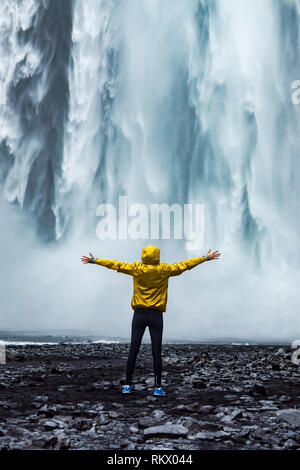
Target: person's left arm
[[178, 268]]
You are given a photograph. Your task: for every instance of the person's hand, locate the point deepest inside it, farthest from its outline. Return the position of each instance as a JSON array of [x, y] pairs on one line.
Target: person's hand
[[214, 255], [87, 259]]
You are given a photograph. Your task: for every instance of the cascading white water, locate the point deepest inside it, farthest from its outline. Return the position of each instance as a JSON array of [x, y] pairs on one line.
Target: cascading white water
[[18, 61], [173, 101], [91, 81]]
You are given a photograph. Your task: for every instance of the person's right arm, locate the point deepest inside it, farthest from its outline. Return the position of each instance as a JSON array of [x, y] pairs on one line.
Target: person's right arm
[[120, 266]]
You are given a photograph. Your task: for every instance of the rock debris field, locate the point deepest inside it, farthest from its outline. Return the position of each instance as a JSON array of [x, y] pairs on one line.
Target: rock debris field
[[68, 396]]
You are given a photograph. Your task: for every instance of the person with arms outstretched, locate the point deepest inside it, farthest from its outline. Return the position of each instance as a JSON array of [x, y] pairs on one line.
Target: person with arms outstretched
[[149, 301]]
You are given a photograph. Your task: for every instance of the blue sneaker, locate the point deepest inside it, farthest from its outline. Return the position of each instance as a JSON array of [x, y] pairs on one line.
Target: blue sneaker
[[127, 389], [159, 392]]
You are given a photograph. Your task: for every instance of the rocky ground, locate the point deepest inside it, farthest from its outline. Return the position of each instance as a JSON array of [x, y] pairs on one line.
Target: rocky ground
[[218, 397]]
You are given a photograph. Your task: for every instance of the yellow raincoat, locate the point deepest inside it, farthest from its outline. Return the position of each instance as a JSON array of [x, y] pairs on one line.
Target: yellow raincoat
[[150, 277]]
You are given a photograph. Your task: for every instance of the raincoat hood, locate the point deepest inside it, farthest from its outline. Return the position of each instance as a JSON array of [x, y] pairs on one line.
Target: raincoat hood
[[150, 255]]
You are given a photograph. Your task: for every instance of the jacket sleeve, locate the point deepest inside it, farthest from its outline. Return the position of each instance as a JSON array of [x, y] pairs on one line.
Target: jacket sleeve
[[178, 268], [120, 266]]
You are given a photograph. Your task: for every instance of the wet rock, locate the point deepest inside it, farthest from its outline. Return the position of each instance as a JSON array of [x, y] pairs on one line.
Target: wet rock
[[266, 406], [263, 436], [259, 434], [35, 418], [291, 444], [57, 442], [99, 407], [42, 399], [36, 404], [49, 412], [139, 387], [210, 436], [238, 439], [203, 426], [117, 405], [82, 424], [56, 370], [131, 446], [3, 386], [281, 352], [233, 415], [157, 414], [63, 443], [90, 413], [39, 378], [173, 430], [50, 425], [133, 429], [229, 397], [104, 385], [290, 416], [15, 357], [259, 389], [5, 404], [39, 443], [63, 388], [147, 422], [102, 420], [205, 409], [192, 407], [284, 399], [199, 383], [236, 389]]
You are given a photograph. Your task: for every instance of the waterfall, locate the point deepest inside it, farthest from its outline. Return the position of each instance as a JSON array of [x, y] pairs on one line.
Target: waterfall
[[88, 161], [165, 102], [35, 44]]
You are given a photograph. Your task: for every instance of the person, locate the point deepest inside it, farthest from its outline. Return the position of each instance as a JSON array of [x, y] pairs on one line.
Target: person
[[149, 301]]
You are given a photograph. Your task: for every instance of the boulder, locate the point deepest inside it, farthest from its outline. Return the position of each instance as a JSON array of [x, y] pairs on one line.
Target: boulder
[[172, 430], [50, 425], [290, 416], [210, 436]]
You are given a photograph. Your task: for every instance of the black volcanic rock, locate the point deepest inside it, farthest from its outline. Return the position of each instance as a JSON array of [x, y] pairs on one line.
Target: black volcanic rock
[[290, 416], [172, 430], [218, 397]]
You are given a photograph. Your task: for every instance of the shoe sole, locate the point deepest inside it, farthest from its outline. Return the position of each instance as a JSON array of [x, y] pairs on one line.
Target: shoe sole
[[159, 395], [126, 392]]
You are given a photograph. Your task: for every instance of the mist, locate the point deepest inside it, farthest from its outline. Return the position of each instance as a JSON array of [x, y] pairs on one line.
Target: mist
[[164, 102]]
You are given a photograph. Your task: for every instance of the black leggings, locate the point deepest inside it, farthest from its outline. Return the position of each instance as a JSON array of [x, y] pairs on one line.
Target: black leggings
[[142, 318]]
